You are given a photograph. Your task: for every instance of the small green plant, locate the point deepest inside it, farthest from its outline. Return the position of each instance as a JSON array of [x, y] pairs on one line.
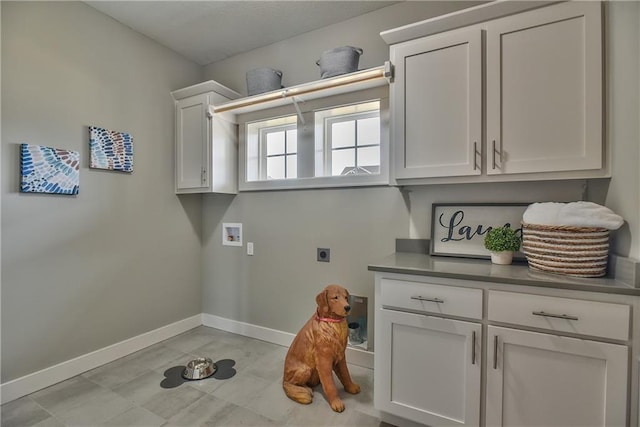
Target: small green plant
[[502, 239]]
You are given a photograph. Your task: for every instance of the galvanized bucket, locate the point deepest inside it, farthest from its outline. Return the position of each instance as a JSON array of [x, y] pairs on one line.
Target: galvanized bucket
[[260, 80], [341, 60]]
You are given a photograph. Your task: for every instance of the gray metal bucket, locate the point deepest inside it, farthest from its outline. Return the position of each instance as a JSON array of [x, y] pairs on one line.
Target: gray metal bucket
[[341, 60], [262, 80]]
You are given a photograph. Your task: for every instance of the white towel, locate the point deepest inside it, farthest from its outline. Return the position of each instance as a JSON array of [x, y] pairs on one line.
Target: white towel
[[577, 214]]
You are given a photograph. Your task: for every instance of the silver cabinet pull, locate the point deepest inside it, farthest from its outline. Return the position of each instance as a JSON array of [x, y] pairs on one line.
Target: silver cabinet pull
[[476, 153], [473, 347], [204, 175], [495, 352], [438, 300], [493, 154], [557, 316]]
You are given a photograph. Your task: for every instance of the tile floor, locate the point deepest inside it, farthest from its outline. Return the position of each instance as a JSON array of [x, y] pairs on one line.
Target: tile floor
[[127, 391]]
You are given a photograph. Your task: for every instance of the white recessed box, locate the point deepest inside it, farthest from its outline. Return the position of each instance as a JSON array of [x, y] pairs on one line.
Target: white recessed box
[[232, 234]]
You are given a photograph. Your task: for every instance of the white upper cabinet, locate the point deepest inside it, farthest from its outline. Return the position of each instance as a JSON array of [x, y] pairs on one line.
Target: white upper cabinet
[[206, 143], [437, 105], [544, 90], [542, 114]]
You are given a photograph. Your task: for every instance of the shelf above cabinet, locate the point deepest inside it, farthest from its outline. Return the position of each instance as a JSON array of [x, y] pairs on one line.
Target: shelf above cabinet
[[359, 80]]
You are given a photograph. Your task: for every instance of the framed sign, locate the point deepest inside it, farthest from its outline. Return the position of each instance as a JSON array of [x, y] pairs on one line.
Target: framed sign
[[459, 229]]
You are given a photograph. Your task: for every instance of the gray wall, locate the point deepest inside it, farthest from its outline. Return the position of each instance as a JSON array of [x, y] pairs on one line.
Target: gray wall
[[296, 57], [288, 226], [127, 256], [123, 257], [623, 121], [276, 287]]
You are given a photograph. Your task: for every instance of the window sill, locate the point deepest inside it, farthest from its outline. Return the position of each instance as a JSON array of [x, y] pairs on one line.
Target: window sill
[[311, 183]]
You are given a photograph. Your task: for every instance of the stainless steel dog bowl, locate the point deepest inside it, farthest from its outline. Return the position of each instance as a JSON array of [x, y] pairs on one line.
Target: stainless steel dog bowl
[[199, 368]]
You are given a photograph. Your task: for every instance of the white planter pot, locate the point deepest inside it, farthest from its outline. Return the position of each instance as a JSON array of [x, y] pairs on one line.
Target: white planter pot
[[504, 257]]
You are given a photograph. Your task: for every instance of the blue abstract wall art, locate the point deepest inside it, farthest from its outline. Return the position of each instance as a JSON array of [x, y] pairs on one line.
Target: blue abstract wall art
[[49, 170], [110, 150]]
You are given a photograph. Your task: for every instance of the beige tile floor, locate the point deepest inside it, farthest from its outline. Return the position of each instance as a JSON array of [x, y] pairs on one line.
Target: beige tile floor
[[127, 391]]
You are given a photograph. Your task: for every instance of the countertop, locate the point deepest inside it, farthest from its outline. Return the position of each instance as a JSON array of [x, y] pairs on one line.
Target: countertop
[[484, 270]]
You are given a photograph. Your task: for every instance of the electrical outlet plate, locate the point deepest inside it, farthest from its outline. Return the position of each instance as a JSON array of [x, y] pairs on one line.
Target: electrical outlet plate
[[324, 255]]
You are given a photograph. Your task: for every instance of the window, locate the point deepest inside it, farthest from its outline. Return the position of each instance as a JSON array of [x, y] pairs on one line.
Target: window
[[272, 147], [322, 146], [349, 140], [280, 152]]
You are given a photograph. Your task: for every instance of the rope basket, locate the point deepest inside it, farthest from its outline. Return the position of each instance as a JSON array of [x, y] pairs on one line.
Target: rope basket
[[562, 249]]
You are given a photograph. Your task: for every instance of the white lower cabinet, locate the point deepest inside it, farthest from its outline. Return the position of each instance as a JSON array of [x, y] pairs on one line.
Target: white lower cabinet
[[551, 358], [537, 379], [429, 369], [427, 360]]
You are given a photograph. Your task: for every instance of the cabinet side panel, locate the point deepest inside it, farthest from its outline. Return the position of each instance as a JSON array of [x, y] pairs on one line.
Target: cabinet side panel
[[191, 132]]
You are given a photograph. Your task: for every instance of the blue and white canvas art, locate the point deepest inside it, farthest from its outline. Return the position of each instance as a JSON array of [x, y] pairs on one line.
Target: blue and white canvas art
[[110, 150], [49, 170]]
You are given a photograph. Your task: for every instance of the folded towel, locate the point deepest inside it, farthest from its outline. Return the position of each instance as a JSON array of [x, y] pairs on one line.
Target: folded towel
[[576, 214]]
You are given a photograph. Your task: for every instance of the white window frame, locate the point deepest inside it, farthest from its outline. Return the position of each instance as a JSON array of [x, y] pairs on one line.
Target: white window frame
[[328, 139], [308, 131], [263, 152]]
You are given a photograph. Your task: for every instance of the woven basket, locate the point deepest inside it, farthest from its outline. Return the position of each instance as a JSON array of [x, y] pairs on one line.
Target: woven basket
[[572, 251]]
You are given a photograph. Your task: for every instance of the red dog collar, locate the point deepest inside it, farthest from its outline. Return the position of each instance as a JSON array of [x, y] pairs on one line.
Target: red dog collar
[[328, 319]]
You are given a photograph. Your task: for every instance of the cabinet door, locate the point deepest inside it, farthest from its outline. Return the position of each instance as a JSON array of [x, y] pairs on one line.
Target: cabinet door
[[538, 379], [437, 105], [544, 90], [428, 369], [192, 148]]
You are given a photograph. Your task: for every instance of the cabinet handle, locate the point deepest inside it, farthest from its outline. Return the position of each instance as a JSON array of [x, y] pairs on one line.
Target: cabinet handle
[[438, 300], [558, 316], [473, 347], [204, 175], [476, 153], [495, 352], [494, 151], [493, 154]]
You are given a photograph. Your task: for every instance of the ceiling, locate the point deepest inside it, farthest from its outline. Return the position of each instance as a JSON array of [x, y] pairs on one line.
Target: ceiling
[[208, 31]]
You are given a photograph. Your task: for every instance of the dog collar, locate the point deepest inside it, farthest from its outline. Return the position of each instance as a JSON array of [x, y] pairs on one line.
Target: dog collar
[[328, 319]]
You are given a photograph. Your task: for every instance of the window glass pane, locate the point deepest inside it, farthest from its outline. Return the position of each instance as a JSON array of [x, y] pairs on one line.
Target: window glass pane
[[275, 167], [292, 141], [343, 134], [369, 159], [343, 162], [369, 131], [292, 166], [275, 143]]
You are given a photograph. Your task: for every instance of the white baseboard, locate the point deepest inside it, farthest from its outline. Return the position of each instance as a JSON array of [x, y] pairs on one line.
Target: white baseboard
[[28, 384], [355, 356], [31, 383], [248, 330]]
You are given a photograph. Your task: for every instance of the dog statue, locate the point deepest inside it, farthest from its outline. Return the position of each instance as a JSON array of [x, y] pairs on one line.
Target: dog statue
[[318, 349]]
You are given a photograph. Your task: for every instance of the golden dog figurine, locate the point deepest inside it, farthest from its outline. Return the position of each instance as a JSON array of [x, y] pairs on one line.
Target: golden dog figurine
[[318, 349]]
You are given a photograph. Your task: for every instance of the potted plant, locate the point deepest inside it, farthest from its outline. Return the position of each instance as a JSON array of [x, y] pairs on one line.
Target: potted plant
[[502, 242]]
